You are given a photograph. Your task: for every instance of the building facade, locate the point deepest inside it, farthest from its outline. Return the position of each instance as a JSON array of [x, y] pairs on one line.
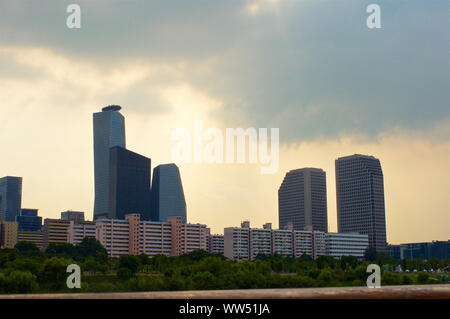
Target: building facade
[[426, 250], [77, 231], [282, 242], [346, 244], [135, 236], [302, 200], [360, 198], [237, 242], [114, 235], [71, 215], [302, 243], [55, 231], [8, 234], [36, 237], [167, 194], [129, 184], [215, 244], [109, 131], [29, 221], [10, 198], [245, 243], [156, 238], [260, 241]]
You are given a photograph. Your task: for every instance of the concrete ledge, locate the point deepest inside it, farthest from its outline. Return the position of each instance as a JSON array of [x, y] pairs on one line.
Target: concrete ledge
[[389, 292]]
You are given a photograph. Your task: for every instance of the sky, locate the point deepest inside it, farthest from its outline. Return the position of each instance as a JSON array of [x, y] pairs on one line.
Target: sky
[[313, 69]]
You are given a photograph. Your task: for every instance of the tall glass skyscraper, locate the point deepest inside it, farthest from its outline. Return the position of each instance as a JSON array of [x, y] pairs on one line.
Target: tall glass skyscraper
[[167, 193], [10, 197], [302, 200], [109, 131], [129, 184], [360, 198]]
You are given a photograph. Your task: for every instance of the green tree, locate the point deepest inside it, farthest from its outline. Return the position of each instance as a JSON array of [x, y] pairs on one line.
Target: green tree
[[204, 280], [53, 274], [93, 266], [124, 273], [7, 255], [370, 254], [130, 262], [27, 249], [348, 261], [65, 250], [90, 247], [389, 278], [422, 278], [31, 265], [19, 282], [326, 276]]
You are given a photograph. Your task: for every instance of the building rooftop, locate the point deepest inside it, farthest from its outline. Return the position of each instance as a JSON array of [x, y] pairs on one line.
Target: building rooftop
[[112, 108]]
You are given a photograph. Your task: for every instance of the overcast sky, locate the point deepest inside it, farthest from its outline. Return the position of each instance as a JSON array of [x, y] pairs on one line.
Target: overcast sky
[[311, 68]]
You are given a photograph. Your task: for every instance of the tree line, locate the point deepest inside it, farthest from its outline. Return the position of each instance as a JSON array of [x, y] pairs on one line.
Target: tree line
[[25, 269]]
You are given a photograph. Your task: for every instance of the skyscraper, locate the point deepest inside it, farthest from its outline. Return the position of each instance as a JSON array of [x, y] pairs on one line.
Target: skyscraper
[[360, 198], [167, 194], [109, 131], [302, 200], [10, 197], [129, 184]]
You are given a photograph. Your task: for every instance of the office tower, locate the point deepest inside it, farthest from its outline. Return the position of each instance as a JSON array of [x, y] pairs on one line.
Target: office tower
[[167, 193], [8, 234], [302, 200], [10, 197], [28, 220], [129, 184], [360, 198], [71, 215], [109, 131]]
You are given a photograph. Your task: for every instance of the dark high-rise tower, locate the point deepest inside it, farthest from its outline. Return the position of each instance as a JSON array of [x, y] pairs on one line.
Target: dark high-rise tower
[[302, 200], [360, 198], [167, 193], [129, 184], [10, 197], [109, 131]]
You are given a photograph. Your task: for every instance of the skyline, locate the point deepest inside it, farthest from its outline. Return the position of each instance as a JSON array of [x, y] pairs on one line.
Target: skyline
[[332, 87]]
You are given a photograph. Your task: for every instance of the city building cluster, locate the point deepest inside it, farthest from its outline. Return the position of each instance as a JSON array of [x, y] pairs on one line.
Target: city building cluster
[[134, 214]]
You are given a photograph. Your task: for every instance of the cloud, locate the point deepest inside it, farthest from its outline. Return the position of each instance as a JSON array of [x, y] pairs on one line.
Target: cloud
[[311, 68], [273, 69]]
